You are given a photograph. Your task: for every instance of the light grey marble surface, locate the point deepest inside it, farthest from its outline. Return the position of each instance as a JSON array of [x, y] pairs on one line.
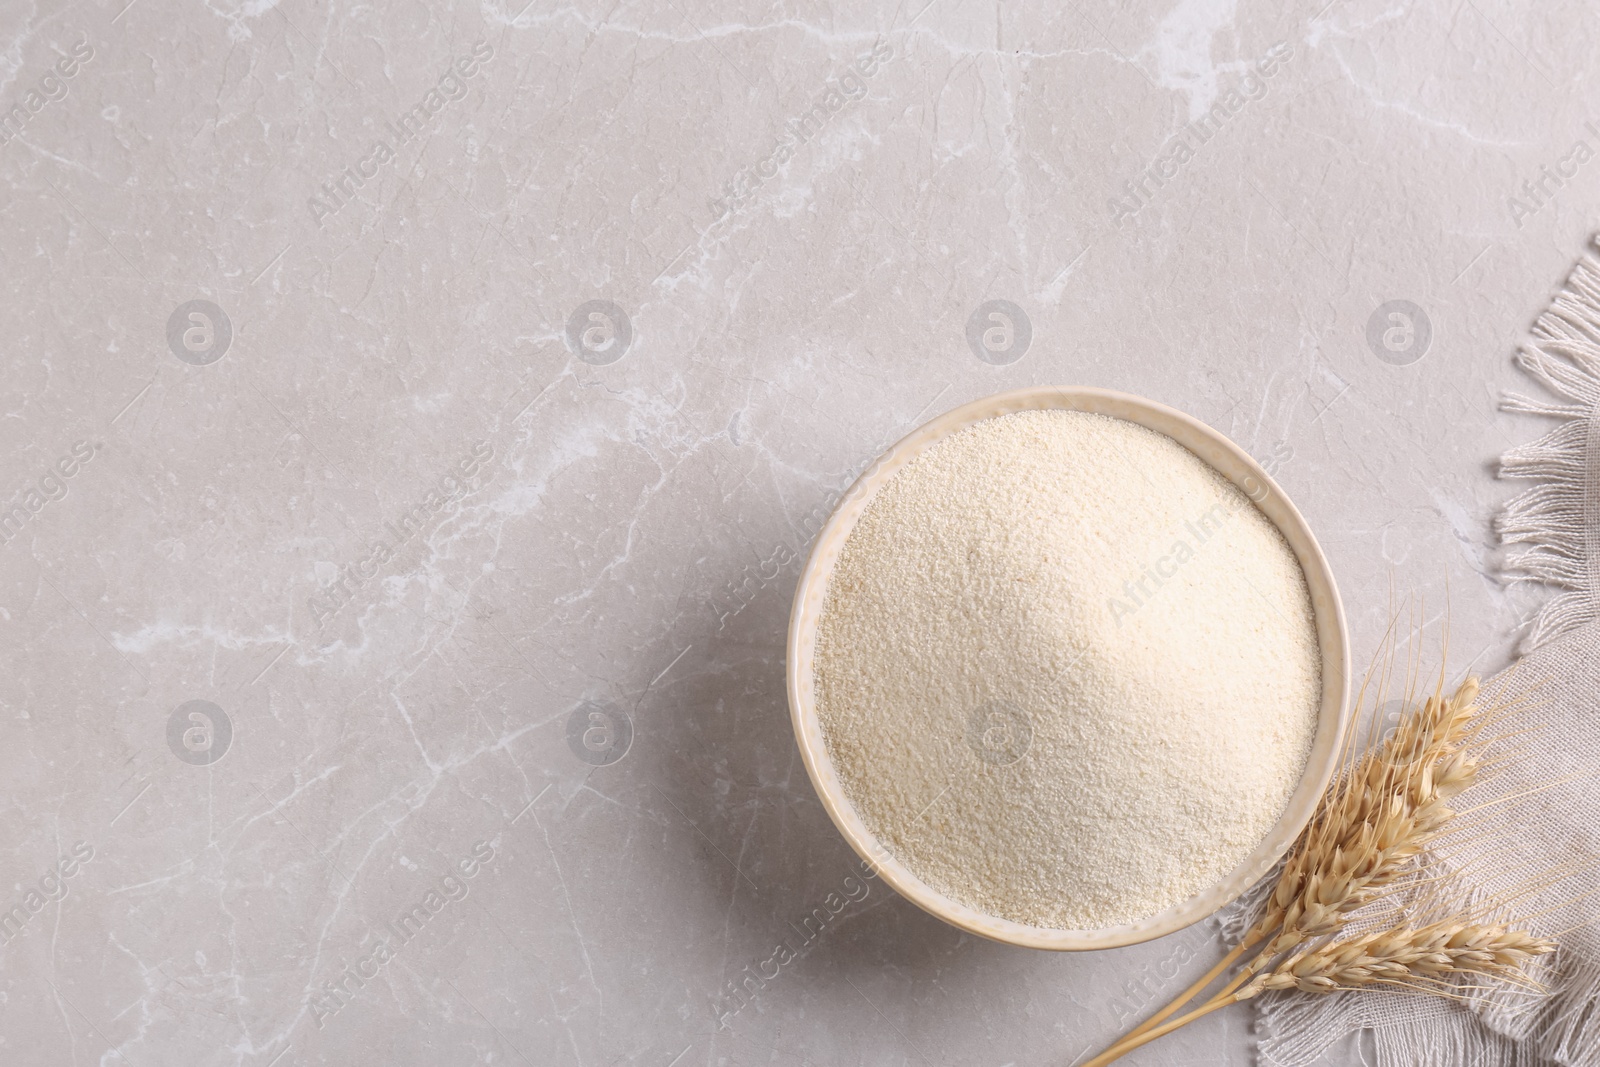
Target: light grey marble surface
[[531, 336]]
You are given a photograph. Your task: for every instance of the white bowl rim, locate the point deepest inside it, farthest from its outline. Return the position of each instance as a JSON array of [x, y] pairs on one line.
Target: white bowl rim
[[1222, 455]]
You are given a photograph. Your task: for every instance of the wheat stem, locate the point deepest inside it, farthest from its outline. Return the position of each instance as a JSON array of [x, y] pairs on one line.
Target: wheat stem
[[1128, 1044], [1251, 939]]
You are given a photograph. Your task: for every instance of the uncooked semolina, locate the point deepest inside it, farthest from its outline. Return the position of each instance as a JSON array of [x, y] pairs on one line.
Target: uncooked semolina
[[1067, 672]]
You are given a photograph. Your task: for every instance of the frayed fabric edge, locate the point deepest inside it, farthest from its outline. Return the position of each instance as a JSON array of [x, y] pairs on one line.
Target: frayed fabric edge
[[1458, 1039], [1562, 1027], [1557, 517], [1299, 1028]]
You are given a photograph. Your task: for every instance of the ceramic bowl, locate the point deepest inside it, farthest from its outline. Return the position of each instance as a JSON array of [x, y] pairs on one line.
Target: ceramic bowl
[[1233, 463]]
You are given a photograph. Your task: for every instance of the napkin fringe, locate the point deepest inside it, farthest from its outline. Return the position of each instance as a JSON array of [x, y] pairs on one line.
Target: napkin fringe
[[1300, 1028], [1565, 1029], [1453, 1039], [1556, 517]]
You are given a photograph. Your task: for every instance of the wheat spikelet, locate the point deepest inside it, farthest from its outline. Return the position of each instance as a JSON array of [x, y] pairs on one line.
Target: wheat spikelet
[[1420, 956], [1428, 958]]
